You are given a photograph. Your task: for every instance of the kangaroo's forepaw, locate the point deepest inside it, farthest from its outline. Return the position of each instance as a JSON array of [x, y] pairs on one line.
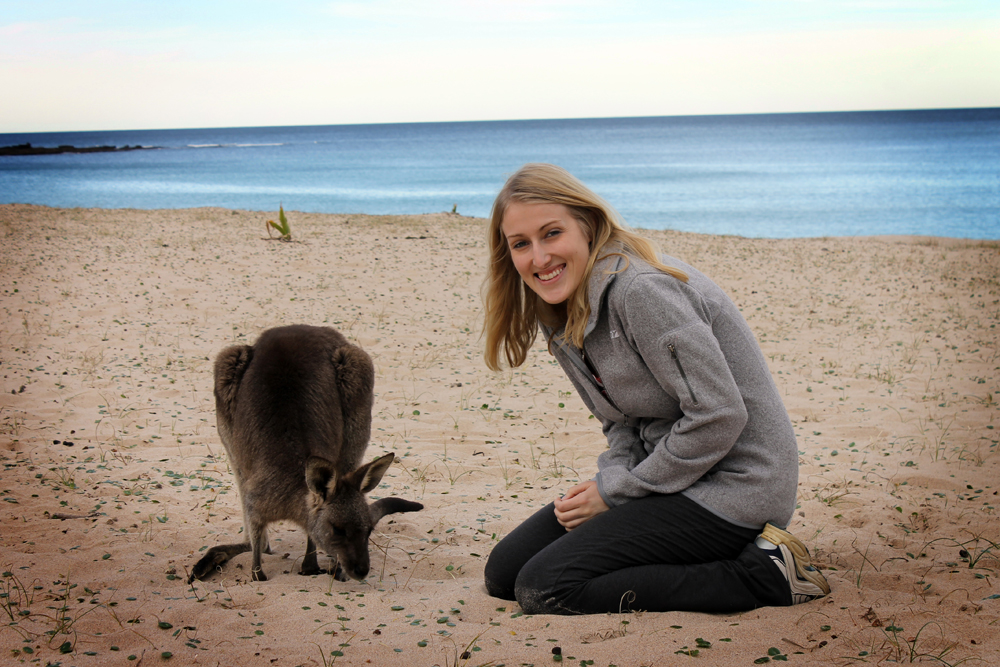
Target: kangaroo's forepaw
[[258, 575], [338, 572]]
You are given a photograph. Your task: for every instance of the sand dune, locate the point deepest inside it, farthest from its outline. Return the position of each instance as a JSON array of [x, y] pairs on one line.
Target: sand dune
[[114, 479]]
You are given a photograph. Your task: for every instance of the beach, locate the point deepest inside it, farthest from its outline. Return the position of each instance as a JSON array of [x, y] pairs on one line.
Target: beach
[[114, 481]]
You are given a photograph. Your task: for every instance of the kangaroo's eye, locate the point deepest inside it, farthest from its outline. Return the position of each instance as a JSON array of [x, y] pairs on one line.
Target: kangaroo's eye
[[339, 532]]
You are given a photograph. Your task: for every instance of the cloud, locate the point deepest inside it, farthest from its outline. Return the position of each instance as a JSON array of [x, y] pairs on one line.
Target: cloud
[[458, 12], [85, 73]]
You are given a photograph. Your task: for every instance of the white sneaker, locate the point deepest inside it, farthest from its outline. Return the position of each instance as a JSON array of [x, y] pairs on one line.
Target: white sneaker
[[792, 558]]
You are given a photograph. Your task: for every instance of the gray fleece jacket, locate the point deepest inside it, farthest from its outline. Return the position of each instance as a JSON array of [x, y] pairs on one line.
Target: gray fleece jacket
[[690, 405]]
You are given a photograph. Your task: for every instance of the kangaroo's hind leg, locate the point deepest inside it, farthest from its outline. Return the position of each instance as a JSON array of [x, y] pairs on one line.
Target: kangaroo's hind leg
[[259, 545]]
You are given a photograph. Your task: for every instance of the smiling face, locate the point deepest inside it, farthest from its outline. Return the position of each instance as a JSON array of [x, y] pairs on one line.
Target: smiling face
[[549, 247]]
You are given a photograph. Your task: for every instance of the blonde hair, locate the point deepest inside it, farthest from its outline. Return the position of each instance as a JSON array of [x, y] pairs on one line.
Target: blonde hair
[[512, 310]]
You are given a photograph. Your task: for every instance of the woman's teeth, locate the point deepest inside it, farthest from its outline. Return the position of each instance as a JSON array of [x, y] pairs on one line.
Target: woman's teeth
[[552, 274]]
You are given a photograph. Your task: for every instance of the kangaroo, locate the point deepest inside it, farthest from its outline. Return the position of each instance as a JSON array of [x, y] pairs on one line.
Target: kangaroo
[[294, 414]]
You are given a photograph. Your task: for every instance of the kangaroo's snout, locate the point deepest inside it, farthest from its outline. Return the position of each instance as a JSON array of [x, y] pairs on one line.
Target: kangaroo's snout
[[340, 519]]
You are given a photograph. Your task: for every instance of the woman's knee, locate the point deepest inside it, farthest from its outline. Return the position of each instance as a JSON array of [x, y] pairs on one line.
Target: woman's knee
[[535, 601], [536, 592], [499, 575]]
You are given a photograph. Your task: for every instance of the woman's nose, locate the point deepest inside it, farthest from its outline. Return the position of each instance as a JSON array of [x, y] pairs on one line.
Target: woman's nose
[[540, 256]]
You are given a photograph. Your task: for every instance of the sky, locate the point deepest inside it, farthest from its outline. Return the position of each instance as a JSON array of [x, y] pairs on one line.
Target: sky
[[70, 65]]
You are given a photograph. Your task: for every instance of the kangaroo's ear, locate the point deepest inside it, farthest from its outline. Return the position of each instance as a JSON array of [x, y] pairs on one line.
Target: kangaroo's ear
[[391, 505], [373, 472], [321, 478]]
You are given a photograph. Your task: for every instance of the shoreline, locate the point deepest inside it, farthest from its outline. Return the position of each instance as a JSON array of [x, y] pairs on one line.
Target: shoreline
[[115, 480], [919, 239], [950, 241]]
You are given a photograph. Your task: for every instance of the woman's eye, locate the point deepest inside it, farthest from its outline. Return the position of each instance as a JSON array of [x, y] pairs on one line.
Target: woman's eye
[[517, 245], [339, 532], [554, 232]]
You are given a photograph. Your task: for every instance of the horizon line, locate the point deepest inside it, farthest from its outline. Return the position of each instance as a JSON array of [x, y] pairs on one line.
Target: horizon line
[[516, 120]]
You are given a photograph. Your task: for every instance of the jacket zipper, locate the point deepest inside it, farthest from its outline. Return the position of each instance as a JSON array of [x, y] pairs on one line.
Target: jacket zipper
[[673, 353], [601, 390]]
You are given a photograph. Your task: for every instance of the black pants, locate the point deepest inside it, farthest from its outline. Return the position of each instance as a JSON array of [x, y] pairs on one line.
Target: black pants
[[658, 553]]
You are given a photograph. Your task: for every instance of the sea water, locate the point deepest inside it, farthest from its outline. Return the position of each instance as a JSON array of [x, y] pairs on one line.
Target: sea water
[[934, 172]]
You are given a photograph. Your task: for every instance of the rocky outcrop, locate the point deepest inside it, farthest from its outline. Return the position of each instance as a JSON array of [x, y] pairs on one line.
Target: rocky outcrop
[[28, 149]]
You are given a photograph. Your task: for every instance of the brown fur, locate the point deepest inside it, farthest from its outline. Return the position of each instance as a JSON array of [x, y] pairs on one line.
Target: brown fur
[[294, 414]]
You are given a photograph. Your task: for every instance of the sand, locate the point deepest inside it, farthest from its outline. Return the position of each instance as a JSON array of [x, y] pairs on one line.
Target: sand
[[114, 479]]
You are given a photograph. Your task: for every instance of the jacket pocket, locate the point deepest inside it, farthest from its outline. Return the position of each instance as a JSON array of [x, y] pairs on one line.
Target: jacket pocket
[[680, 369]]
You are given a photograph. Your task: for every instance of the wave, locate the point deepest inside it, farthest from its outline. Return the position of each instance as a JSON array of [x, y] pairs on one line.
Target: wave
[[222, 188], [280, 143]]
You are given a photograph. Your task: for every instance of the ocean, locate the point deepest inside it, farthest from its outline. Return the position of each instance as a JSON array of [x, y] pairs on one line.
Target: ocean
[[933, 172]]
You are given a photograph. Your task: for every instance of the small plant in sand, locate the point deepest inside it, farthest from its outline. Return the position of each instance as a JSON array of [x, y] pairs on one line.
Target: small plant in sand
[[16, 602], [900, 649], [282, 226], [971, 551]]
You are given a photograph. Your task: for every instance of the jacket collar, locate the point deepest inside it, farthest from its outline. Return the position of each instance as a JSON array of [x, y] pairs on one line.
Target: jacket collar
[[605, 270]]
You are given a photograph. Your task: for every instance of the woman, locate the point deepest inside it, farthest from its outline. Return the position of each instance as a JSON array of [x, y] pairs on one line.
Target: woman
[[701, 467]]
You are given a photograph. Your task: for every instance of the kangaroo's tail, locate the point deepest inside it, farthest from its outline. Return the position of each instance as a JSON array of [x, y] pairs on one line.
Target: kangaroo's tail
[[391, 505]]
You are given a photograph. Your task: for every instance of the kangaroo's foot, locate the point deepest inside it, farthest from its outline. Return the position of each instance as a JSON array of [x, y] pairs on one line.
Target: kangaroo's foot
[[310, 566], [335, 570]]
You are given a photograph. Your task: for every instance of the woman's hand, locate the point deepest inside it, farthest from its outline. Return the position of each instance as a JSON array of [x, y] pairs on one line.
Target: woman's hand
[[581, 503]]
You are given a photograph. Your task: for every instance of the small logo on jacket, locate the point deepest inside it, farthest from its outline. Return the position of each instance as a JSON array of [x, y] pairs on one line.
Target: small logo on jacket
[[614, 334]]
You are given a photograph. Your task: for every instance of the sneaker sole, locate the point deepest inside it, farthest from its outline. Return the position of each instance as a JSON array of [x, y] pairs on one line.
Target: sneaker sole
[[803, 563]]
